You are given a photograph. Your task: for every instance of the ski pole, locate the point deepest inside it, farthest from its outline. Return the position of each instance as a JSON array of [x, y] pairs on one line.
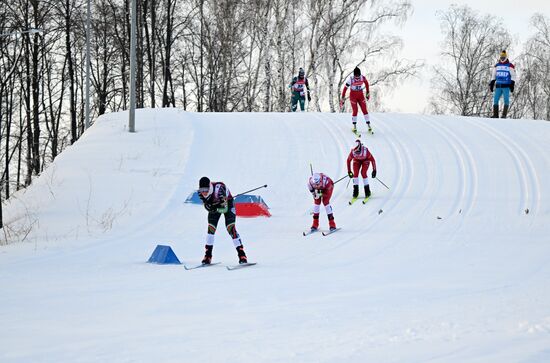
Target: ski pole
[[381, 182], [343, 105], [342, 178], [251, 190], [311, 168]]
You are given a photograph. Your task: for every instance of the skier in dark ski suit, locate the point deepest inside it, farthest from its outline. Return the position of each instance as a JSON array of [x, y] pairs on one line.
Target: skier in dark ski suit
[[299, 87], [217, 200]]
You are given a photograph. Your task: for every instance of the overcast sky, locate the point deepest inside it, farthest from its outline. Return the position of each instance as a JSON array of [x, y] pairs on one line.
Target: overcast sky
[[421, 36]]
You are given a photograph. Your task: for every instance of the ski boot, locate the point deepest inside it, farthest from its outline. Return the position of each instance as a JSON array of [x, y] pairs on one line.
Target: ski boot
[[495, 111], [356, 191], [369, 127], [207, 255], [331, 223], [315, 224], [241, 255], [367, 191], [505, 111]]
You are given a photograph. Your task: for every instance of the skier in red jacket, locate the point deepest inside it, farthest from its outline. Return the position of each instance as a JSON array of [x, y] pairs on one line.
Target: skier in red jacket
[[357, 84], [321, 187], [362, 158]]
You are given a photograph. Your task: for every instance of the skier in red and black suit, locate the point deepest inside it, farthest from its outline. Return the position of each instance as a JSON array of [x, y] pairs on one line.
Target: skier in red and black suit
[[321, 186], [358, 85], [217, 200], [362, 158]]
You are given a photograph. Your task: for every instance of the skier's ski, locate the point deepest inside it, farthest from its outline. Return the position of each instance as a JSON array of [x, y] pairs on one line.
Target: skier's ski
[[201, 265], [365, 200], [371, 131], [353, 200], [355, 132], [331, 232], [310, 232], [241, 265]]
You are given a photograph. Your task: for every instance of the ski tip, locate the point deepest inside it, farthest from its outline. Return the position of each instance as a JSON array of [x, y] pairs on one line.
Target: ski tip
[[235, 267]]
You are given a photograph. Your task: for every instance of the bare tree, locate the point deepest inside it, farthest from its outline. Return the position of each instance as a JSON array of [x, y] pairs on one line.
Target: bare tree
[[470, 46], [532, 96]]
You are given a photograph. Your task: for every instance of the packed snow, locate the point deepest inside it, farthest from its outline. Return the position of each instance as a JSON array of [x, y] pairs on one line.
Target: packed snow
[[448, 265]]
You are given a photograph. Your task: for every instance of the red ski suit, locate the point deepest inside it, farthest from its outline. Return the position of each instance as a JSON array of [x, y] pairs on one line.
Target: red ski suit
[[361, 160], [326, 187], [357, 85]]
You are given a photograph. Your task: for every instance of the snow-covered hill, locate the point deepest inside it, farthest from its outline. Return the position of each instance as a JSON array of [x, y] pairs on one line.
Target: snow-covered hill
[[449, 265]]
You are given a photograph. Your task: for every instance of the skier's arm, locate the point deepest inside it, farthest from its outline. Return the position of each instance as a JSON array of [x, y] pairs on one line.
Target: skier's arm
[[493, 78], [367, 89], [348, 162], [292, 82], [373, 162], [344, 91]]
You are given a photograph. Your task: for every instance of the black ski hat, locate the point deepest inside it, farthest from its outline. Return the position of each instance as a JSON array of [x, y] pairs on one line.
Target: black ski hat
[[356, 72], [301, 73], [204, 182]]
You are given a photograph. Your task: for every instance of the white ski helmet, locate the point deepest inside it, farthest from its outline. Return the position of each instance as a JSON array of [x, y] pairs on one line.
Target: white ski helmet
[[316, 179]]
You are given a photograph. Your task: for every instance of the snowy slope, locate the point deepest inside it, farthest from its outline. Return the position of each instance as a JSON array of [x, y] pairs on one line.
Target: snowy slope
[[449, 265]]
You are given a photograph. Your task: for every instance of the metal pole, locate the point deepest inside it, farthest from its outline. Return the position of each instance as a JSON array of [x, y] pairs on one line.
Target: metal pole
[[132, 121], [88, 15]]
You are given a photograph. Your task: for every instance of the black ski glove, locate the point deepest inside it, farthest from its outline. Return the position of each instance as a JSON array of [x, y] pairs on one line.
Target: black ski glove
[[492, 85], [350, 174], [512, 86], [373, 174]]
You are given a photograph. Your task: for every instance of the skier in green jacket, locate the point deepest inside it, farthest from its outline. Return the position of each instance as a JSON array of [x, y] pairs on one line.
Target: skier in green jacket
[[299, 87]]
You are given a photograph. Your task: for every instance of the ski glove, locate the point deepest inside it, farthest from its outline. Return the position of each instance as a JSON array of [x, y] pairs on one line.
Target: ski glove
[[341, 103], [373, 174], [350, 174], [492, 85], [368, 96], [317, 194], [512, 86]]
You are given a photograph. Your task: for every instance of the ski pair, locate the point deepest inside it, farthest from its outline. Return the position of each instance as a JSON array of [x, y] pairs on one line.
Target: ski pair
[[358, 134], [229, 267], [354, 199], [324, 233]]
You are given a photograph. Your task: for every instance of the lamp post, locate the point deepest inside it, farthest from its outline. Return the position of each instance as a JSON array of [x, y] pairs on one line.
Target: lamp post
[[132, 121], [88, 15]]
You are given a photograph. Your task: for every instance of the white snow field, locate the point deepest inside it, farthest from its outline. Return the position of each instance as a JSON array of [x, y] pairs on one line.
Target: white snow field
[[451, 264]]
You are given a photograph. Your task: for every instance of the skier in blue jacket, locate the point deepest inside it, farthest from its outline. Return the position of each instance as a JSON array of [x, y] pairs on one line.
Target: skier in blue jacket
[[504, 79]]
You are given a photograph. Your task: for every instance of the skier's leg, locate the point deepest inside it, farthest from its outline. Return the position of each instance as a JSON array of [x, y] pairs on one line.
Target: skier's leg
[[354, 109], [302, 103], [230, 219], [328, 208], [316, 210], [356, 167], [213, 218], [293, 103], [506, 94], [364, 174], [496, 99]]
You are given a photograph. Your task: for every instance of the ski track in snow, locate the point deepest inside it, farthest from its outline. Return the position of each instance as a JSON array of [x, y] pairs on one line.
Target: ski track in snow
[[530, 189]]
